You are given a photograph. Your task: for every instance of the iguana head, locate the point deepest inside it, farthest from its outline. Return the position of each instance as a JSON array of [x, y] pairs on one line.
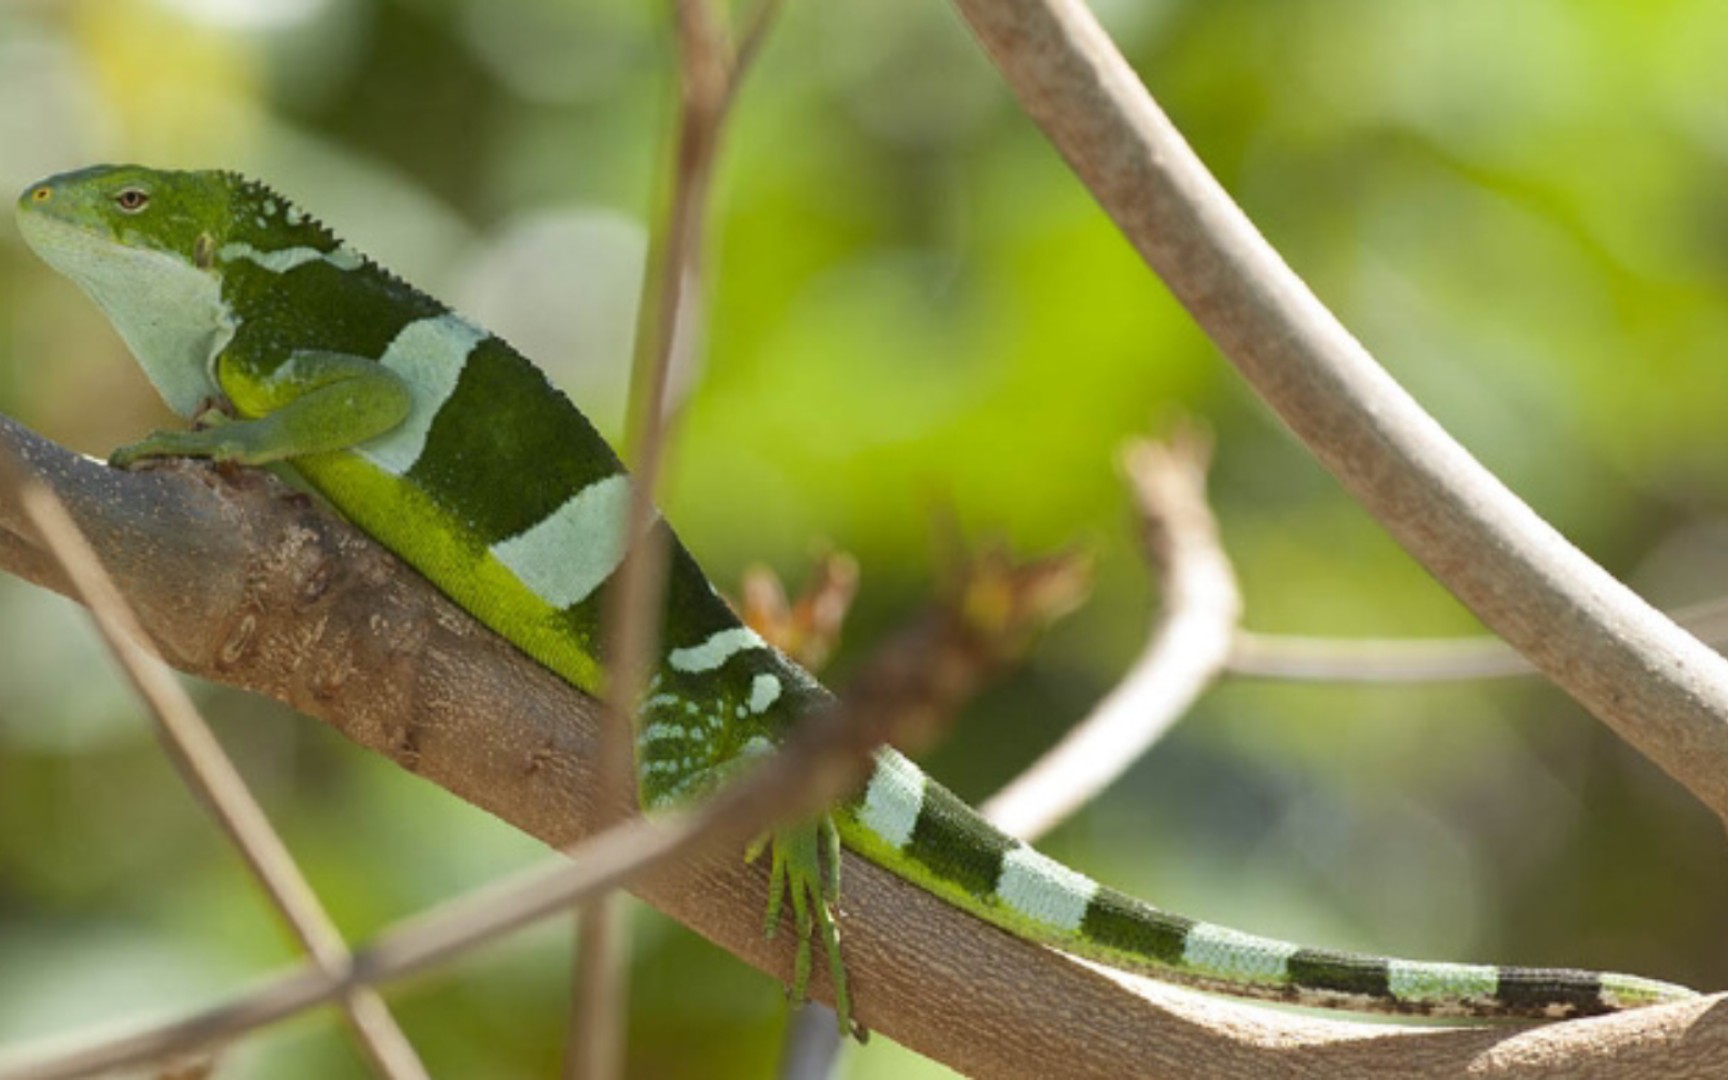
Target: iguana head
[[143, 243], [182, 215]]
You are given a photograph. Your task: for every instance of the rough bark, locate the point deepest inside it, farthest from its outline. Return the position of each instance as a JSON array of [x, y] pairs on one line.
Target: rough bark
[[241, 581]]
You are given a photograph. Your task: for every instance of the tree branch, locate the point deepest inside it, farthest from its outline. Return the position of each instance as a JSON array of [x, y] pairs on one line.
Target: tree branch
[[1653, 683], [710, 70], [238, 580], [819, 762], [1186, 652]]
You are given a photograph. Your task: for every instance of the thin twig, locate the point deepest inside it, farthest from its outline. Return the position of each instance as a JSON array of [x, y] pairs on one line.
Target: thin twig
[[673, 304], [1653, 683], [1300, 658], [1185, 654], [1403, 660], [441, 934], [807, 629], [599, 971], [822, 759], [750, 43], [207, 770]]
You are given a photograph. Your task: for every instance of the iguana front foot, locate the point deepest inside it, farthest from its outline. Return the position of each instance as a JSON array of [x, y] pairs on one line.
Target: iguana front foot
[[206, 442], [213, 413]]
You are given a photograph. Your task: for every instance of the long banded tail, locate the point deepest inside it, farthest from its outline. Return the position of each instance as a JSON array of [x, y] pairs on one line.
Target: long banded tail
[[908, 823]]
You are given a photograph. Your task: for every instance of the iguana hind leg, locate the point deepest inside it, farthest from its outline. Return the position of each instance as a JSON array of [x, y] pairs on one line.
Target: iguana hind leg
[[806, 868], [683, 750]]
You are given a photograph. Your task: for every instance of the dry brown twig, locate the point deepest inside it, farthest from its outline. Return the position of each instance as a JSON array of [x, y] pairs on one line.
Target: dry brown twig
[[711, 69], [808, 628], [992, 607], [205, 767], [821, 761]]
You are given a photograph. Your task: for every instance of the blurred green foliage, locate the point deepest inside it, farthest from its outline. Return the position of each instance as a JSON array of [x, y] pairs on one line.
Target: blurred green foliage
[[1518, 208]]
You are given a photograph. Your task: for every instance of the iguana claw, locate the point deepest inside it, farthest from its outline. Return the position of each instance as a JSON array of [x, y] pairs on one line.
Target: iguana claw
[[806, 865]]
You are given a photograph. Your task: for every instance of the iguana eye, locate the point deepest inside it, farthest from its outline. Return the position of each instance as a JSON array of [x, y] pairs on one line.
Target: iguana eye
[[131, 200]]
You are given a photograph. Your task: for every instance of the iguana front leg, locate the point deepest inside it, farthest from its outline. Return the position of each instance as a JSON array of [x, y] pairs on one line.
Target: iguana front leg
[[313, 402]]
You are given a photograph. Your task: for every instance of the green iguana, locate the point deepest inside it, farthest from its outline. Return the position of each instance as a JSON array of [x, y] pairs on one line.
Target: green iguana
[[453, 451]]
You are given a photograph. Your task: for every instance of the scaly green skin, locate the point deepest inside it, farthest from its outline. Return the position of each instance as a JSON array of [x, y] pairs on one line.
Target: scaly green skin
[[453, 451]]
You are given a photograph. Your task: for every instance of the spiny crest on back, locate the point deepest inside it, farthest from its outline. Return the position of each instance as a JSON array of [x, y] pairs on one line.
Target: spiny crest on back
[[259, 215], [273, 232], [265, 229]]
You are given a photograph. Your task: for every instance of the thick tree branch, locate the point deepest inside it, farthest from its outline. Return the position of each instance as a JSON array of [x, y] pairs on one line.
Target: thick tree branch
[[239, 581], [1653, 683]]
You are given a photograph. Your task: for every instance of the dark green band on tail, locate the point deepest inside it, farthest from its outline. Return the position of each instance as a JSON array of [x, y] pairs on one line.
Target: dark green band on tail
[[1119, 922], [1545, 991], [1340, 973], [956, 845]]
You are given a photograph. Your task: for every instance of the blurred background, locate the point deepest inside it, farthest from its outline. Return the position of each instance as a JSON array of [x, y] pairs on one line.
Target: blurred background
[[1520, 209]]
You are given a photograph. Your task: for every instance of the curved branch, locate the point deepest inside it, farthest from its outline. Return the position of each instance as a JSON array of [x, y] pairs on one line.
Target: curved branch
[[238, 580], [1186, 652], [1653, 683]]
